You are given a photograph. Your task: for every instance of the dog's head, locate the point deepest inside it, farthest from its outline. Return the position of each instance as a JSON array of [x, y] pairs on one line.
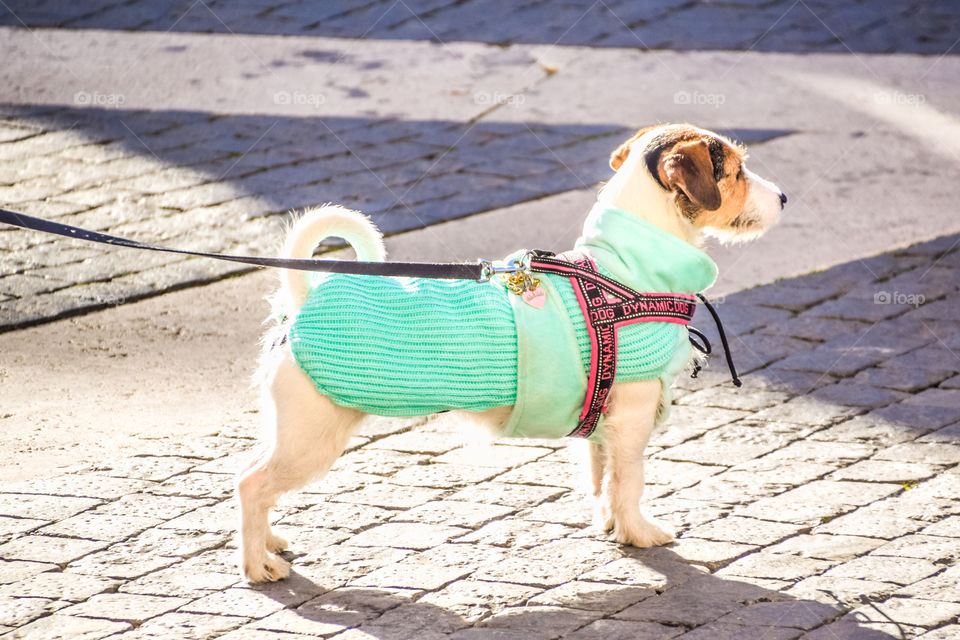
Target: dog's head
[[705, 174]]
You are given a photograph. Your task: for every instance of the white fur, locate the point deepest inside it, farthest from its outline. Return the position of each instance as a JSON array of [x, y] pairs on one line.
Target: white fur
[[315, 226], [310, 431]]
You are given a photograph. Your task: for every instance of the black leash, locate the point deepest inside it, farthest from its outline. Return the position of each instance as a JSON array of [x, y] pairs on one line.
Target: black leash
[[446, 271], [481, 271]]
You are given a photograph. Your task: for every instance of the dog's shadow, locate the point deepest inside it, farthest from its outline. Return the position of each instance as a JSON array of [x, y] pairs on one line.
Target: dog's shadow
[[644, 593]]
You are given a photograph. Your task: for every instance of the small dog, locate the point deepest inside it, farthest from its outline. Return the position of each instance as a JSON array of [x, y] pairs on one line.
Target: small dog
[[338, 356]]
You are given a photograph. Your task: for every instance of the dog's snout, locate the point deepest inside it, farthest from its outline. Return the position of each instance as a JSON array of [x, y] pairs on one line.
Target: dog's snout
[[783, 199]]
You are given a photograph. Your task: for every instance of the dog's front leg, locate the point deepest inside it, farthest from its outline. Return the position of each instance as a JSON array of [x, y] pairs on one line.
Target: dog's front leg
[[628, 426]]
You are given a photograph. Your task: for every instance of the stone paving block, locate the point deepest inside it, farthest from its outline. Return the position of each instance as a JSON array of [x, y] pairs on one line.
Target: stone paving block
[[432, 569], [10, 527], [855, 628], [679, 607], [716, 397], [507, 494], [406, 535], [776, 566], [421, 442], [813, 502], [913, 611], [535, 619], [124, 606], [473, 600], [61, 585], [518, 533], [922, 453], [146, 505], [942, 586], [15, 570], [351, 606], [592, 596], [794, 614], [943, 633], [183, 625], [196, 485], [744, 530], [373, 461], [949, 526], [43, 507], [606, 629], [871, 429], [885, 568], [18, 611], [886, 471], [153, 468], [571, 509], [538, 566], [805, 410], [499, 456], [906, 379], [65, 627], [353, 517], [444, 476], [250, 602], [543, 473], [934, 548], [823, 452], [453, 513], [95, 526], [848, 591], [389, 496], [49, 549], [827, 547], [182, 581], [858, 395]]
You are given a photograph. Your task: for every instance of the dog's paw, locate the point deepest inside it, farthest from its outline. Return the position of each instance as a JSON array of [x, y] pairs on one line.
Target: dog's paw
[[641, 533], [275, 543], [269, 568]]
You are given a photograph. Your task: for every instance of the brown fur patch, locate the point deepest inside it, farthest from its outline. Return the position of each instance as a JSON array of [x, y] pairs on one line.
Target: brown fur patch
[[718, 160]]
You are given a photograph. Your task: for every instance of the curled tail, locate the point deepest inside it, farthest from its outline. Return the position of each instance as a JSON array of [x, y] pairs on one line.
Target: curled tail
[[315, 226]]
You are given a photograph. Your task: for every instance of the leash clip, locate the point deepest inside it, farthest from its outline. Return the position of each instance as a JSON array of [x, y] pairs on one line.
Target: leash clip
[[519, 266]]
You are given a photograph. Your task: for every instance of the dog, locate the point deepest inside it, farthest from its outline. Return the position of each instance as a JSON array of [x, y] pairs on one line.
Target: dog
[[672, 185]]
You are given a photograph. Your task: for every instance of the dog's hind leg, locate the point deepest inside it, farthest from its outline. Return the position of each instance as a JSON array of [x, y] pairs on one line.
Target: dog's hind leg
[[310, 434], [633, 410]]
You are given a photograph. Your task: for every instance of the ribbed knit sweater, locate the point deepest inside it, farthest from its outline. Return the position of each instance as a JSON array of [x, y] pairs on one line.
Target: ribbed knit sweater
[[412, 346]]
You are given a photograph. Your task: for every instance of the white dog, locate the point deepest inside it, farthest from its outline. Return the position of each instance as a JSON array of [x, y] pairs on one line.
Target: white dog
[[353, 345]]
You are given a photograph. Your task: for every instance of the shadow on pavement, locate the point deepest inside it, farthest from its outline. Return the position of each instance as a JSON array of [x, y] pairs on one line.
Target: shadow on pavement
[[772, 25]]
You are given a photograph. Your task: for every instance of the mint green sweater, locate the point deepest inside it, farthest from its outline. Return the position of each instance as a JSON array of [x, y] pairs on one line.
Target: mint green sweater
[[411, 346]]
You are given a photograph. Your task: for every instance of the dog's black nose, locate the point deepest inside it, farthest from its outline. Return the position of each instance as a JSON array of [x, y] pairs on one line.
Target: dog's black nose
[[783, 199]]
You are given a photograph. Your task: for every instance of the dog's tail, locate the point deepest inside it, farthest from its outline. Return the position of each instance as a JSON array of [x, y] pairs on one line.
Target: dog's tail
[[315, 226]]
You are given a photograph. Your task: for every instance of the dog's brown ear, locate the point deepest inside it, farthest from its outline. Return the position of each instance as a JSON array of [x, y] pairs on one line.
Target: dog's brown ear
[[688, 168]]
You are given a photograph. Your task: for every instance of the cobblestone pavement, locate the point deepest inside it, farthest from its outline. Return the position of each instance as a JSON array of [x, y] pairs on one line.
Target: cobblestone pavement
[[916, 26], [220, 175], [819, 502]]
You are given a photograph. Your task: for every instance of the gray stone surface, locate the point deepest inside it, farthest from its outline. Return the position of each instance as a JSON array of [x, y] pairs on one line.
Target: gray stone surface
[[819, 501]]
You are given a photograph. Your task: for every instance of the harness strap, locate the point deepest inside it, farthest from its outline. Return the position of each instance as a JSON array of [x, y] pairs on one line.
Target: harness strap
[[608, 305]]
